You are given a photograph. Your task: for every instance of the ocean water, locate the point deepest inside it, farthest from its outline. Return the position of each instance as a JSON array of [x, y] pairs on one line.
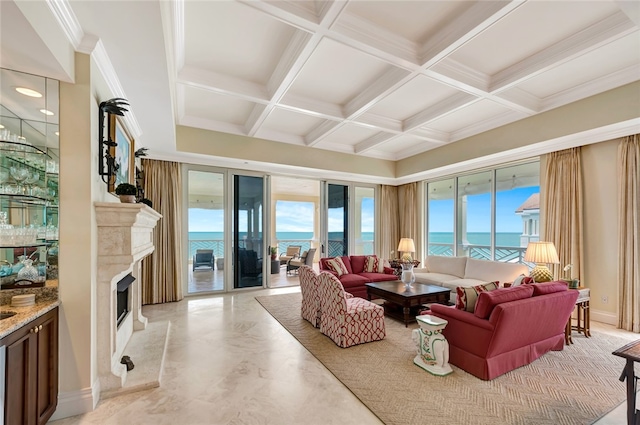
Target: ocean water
[[284, 236], [478, 238]]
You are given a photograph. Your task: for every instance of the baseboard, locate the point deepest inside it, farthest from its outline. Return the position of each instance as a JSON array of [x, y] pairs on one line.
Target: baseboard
[[72, 403], [604, 317]]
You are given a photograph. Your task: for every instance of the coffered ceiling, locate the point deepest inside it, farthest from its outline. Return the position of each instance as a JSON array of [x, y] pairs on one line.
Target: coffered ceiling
[[390, 79], [383, 79]]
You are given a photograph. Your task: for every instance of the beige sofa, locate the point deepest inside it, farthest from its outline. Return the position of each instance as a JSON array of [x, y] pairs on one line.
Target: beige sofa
[[451, 272]]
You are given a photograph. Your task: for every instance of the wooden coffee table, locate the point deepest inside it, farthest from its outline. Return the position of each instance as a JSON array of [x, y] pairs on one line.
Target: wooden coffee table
[[404, 303]]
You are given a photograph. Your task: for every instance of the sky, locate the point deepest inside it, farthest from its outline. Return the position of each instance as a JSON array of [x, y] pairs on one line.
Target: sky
[[290, 217], [298, 216], [479, 212]]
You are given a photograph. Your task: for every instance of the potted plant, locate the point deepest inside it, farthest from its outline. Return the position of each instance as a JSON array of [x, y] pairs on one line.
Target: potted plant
[[127, 193], [274, 252]]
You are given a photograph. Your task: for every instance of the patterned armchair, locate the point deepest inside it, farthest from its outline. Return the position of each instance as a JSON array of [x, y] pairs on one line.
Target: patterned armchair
[[310, 297], [348, 321]]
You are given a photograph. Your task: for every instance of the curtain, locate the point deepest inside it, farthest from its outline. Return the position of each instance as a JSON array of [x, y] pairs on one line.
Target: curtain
[[408, 210], [562, 213], [162, 270], [629, 234], [389, 231]]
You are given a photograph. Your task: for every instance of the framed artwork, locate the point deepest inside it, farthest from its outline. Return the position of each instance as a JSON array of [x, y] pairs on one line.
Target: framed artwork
[[123, 154]]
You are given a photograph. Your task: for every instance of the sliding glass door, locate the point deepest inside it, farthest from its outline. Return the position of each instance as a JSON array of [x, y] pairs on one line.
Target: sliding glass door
[[206, 231], [248, 241], [348, 220]]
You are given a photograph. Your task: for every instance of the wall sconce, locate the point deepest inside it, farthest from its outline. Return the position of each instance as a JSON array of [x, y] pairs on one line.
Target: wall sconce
[[107, 166]]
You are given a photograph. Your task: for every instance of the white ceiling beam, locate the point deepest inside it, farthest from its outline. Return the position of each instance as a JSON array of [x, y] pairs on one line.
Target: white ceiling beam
[[222, 84], [382, 87], [298, 52], [431, 135], [519, 98], [322, 131], [612, 28], [309, 106], [213, 125], [452, 103], [387, 124], [479, 17], [372, 142]]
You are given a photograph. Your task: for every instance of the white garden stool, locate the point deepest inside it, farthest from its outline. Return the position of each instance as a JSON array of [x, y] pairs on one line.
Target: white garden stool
[[433, 347]]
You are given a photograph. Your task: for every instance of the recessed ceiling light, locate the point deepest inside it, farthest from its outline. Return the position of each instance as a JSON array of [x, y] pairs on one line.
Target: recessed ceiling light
[[28, 92], [1, 126], [57, 133], [46, 112]]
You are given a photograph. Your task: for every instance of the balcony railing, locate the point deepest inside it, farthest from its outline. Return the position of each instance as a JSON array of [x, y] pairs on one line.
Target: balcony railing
[[508, 254]]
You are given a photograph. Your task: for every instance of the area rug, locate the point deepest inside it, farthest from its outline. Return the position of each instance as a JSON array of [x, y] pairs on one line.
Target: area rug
[[574, 386]]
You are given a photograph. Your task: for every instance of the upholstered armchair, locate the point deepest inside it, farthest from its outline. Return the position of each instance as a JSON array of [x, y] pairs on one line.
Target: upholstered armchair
[[306, 260], [348, 321], [293, 251], [310, 296]]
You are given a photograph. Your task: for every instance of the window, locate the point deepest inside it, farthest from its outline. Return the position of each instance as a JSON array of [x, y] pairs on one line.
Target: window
[[495, 214]]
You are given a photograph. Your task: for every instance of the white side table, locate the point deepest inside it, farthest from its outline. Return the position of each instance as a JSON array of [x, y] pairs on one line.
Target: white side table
[[433, 347]]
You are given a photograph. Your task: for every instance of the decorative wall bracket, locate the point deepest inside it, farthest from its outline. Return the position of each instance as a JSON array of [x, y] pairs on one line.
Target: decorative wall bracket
[[107, 166]]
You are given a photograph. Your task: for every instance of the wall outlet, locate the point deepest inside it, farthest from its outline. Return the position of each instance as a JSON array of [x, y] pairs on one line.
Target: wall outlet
[[605, 299]]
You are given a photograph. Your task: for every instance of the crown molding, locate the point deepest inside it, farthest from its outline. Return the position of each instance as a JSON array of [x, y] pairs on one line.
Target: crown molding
[[68, 21]]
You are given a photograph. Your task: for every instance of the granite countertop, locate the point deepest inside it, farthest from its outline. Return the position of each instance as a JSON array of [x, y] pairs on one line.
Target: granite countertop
[[24, 315]]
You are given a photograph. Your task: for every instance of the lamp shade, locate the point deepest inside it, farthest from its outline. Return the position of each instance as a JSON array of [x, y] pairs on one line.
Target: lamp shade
[[541, 252], [406, 245]]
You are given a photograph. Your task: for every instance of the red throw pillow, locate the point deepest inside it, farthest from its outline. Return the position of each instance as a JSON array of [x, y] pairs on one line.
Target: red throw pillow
[[549, 287], [488, 300], [467, 297]]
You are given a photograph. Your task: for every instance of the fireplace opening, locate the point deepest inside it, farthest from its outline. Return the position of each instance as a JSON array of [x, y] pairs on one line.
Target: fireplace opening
[[122, 298]]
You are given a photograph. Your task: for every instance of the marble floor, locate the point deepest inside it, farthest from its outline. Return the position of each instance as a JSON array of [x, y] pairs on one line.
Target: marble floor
[[229, 362]]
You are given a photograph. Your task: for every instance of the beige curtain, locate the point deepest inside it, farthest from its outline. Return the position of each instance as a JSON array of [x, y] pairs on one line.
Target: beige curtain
[[389, 231], [408, 211], [562, 213], [629, 234], [162, 270]]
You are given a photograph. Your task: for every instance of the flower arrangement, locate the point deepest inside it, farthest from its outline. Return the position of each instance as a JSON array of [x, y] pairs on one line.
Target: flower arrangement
[[567, 270]]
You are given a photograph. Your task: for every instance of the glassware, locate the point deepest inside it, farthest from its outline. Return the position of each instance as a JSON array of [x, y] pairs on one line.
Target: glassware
[[28, 271], [408, 277], [4, 177], [7, 236]]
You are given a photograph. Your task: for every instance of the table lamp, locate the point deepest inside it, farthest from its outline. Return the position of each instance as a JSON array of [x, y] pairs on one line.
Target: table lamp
[[541, 253], [406, 246]]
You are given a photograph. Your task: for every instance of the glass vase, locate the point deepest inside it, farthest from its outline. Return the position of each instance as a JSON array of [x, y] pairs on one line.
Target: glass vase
[[407, 276]]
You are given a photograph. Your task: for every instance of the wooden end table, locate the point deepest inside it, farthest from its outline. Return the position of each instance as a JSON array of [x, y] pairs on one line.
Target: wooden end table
[[583, 316], [405, 302], [630, 352]]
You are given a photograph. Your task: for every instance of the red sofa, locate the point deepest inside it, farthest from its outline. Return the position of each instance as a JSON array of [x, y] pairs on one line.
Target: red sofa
[[510, 328], [354, 281]]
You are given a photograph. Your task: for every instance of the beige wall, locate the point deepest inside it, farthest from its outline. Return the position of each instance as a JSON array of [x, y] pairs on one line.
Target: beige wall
[[599, 170], [80, 188], [194, 140]]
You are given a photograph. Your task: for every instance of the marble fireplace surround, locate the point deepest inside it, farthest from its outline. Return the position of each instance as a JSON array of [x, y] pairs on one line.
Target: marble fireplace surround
[[125, 236]]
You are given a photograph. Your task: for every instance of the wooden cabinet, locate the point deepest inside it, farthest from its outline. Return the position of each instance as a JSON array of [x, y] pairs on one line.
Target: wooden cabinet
[[31, 387]]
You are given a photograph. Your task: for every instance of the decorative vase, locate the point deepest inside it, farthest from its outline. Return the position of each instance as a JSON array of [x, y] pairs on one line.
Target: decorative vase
[[127, 199], [28, 272], [407, 276]]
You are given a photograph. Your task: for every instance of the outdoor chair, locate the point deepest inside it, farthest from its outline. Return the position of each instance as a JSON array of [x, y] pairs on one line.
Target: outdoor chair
[[306, 260], [348, 321], [293, 251], [203, 258]]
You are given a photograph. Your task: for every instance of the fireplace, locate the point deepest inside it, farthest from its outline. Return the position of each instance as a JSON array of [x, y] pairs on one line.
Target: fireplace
[[122, 298], [125, 237]]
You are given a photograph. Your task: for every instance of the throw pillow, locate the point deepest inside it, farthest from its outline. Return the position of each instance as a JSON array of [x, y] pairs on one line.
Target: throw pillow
[[337, 266], [373, 264], [467, 297], [488, 300], [549, 287], [522, 280]]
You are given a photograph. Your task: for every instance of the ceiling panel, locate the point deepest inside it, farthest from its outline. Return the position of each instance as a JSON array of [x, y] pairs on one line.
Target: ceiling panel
[[336, 73], [415, 96], [290, 122], [349, 135], [473, 114], [528, 30], [413, 20], [603, 62], [233, 39], [212, 106]]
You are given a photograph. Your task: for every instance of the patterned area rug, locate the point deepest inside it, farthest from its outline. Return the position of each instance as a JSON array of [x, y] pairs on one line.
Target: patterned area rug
[[573, 386]]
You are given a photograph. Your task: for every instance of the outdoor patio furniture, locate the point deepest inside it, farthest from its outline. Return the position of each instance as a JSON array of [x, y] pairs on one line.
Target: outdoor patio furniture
[[203, 258], [306, 260], [293, 251]]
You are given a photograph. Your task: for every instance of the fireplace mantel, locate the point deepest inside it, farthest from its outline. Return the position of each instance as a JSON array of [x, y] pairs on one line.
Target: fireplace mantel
[[125, 236]]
